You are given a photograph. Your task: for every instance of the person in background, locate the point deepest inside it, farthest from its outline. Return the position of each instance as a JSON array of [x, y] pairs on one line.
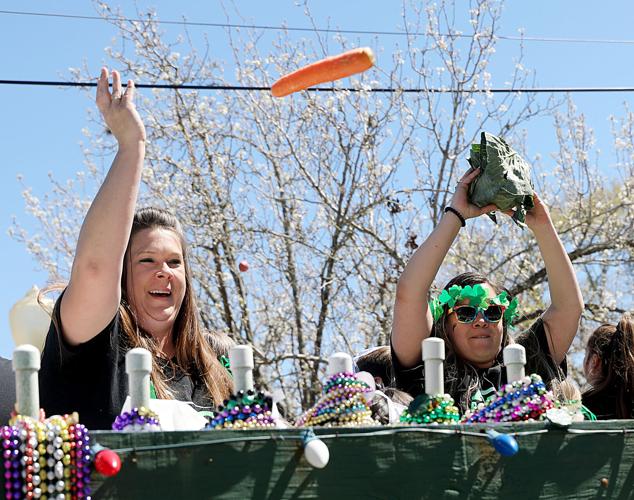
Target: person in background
[[377, 361], [387, 405], [609, 370]]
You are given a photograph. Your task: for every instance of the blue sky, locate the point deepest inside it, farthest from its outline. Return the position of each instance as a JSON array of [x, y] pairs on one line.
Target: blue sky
[[40, 130]]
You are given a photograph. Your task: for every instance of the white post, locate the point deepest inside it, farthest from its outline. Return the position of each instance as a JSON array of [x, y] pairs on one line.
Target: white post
[[514, 360], [339, 362], [433, 357], [241, 362], [26, 364], [138, 366]]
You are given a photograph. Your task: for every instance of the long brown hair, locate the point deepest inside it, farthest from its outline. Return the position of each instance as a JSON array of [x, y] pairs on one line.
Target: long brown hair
[[197, 350], [460, 375], [614, 345]]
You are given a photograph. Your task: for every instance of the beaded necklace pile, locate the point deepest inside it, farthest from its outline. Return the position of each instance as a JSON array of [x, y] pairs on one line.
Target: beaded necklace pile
[[46, 458], [342, 404]]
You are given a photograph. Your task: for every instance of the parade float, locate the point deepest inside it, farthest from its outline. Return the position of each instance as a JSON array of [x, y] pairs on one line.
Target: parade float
[[521, 444], [510, 448]]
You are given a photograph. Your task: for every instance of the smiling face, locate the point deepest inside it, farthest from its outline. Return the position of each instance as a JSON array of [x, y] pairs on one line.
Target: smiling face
[[479, 342], [156, 281]]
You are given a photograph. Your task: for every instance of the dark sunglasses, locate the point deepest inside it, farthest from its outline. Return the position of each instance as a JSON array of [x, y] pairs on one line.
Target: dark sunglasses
[[468, 314]]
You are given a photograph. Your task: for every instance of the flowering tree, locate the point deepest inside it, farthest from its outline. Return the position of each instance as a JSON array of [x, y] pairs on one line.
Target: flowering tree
[[327, 194]]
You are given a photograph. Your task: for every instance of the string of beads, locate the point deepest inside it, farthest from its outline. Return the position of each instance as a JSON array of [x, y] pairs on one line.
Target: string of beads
[[137, 420], [424, 409], [244, 410], [342, 404], [525, 399], [46, 458]]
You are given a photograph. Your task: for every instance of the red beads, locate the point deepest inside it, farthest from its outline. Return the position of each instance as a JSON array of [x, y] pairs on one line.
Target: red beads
[[107, 462]]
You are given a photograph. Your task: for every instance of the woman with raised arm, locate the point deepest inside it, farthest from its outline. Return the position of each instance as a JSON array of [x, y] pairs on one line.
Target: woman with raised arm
[[472, 314], [130, 286]]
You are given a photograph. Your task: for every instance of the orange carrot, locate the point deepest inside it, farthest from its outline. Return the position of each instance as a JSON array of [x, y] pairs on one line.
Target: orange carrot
[[326, 70]]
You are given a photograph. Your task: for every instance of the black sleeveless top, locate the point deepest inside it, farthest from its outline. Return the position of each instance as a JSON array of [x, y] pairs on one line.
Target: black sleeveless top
[[90, 378]]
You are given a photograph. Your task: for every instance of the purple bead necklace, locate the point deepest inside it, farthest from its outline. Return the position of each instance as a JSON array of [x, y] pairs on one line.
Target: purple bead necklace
[[137, 420], [48, 458]]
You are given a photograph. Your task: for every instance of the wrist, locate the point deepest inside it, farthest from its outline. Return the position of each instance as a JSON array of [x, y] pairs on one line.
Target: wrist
[[544, 227], [456, 214], [135, 145]]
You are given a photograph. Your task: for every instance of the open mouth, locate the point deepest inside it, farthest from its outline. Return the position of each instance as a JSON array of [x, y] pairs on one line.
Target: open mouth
[[160, 293]]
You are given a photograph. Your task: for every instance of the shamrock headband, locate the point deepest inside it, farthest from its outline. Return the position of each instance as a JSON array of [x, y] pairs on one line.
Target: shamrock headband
[[478, 297]]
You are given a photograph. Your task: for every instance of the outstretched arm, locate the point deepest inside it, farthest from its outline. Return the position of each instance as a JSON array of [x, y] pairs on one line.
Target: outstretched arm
[[561, 319], [93, 293], [412, 319]]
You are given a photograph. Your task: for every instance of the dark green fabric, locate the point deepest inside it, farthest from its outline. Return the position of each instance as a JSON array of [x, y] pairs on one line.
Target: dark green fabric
[[504, 180], [383, 462]]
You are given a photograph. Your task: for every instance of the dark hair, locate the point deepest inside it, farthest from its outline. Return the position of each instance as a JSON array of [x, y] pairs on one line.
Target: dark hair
[[380, 407], [614, 345], [197, 350], [377, 362], [398, 396], [461, 376]]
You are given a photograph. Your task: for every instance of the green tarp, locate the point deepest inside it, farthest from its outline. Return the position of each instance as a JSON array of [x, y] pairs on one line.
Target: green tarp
[[587, 460]]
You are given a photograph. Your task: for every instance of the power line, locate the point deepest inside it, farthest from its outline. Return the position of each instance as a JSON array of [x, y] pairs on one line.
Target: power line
[[312, 30], [527, 90]]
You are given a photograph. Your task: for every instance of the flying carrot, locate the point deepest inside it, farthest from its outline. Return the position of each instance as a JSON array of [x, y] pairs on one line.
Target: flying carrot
[[326, 70]]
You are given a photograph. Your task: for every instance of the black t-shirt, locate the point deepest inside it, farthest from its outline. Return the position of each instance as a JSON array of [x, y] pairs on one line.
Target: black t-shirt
[[468, 385], [90, 378], [604, 403]]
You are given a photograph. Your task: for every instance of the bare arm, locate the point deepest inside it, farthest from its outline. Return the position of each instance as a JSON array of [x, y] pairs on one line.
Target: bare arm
[[561, 319], [412, 318], [93, 293]]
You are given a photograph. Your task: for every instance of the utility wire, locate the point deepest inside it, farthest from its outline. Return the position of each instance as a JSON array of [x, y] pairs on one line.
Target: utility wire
[[527, 90], [312, 30]]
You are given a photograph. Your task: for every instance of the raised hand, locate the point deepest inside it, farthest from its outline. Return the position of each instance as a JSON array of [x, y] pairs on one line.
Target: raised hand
[[94, 291], [538, 215], [460, 200], [118, 109]]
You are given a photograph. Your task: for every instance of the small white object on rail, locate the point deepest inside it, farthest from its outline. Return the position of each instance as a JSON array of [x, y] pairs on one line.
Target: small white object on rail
[[339, 362], [241, 363], [138, 366], [514, 360], [26, 364], [433, 357]]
